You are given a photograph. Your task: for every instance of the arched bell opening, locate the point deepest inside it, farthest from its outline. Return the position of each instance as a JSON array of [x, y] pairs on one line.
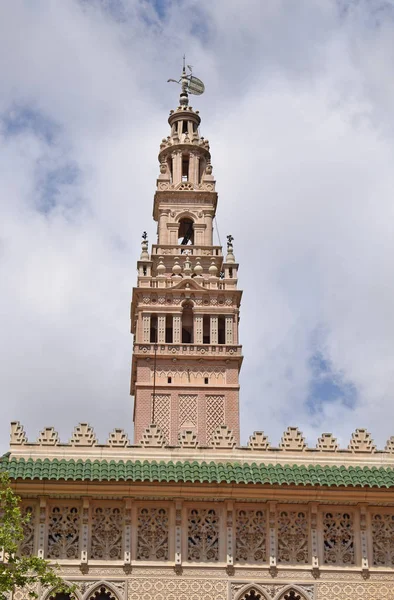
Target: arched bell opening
[[187, 323], [186, 232]]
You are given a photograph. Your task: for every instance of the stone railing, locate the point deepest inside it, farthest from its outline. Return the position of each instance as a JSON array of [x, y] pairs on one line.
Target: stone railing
[[187, 250]]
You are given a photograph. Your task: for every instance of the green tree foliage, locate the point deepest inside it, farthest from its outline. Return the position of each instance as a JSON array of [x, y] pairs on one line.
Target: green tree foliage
[[28, 572]]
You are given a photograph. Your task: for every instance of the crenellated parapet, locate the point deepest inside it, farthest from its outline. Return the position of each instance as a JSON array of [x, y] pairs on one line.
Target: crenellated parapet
[[293, 442]]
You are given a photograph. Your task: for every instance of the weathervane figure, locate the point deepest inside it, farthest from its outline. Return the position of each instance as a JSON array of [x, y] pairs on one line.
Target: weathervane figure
[[189, 84]]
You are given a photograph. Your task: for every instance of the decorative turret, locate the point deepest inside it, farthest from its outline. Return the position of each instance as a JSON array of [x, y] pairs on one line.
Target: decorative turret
[[185, 309]]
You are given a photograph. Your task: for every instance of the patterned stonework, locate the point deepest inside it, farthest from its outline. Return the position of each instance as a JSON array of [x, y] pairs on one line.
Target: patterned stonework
[[107, 529], [293, 528], [338, 531], [63, 531], [26, 548], [383, 540], [152, 535], [203, 535], [250, 536]]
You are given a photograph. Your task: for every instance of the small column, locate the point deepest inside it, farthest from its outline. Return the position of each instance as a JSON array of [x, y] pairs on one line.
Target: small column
[[176, 329], [364, 540], [214, 329], [235, 326], [84, 546], [178, 536], [229, 329], [177, 166], [190, 174], [161, 324], [198, 325], [42, 526], [146, 329], [127, 532], [272, 537], [314, 540], [230, 537]]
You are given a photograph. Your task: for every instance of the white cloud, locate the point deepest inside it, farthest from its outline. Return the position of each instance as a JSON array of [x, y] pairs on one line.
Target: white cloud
[[298, 112]]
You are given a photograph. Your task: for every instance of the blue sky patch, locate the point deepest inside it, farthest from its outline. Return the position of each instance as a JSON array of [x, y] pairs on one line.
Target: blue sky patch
[[327, 386], [20, 119]]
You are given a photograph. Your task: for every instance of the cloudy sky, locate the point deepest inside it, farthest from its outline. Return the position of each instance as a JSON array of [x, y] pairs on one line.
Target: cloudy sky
[[299, 112]]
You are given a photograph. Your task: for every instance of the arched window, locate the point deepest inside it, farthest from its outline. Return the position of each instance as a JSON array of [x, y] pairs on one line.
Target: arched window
[[102, 594], [187, 323], [252, 595], [61, 596], [186, 232]]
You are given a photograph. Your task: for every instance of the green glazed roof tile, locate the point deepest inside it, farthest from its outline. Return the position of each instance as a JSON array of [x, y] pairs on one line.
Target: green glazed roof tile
[[192, 471]]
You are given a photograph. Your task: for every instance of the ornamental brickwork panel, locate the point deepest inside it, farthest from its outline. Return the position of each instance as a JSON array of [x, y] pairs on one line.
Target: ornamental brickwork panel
[[106, 533], [203, 535], [63, 531], [338, 532], [187, 410], [162, 414], [293, 528], [152, 534], [215, 415], [251, 536], [383, 539]]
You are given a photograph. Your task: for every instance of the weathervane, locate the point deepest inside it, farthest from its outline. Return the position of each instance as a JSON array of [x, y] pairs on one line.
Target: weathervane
[[189, 84]]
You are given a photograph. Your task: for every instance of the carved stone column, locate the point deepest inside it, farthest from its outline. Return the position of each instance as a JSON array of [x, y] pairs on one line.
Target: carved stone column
[[176, 329], [364, 540], [177, 166], [191, 172], [146, 329], [229, 329], [272, 537], [84, 545], [127, 533], [314, 540], [230, 537], [214, 329], [198, 329], [42, 527], [161, 325], [178, 536]]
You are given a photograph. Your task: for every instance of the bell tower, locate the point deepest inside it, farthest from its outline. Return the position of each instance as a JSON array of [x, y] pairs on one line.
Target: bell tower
[[185, 308]]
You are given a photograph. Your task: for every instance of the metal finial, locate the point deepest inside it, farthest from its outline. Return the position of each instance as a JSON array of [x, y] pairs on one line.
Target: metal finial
[[189, 84], [144, 235], [230, 240]]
